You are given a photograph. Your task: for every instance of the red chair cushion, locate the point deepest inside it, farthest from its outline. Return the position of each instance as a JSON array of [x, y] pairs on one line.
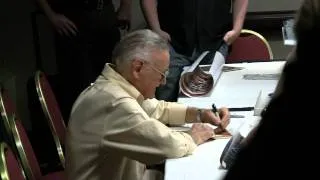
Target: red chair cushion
[[32, 159], [13, 167], [248, 48], [60, 175], [53, 108]]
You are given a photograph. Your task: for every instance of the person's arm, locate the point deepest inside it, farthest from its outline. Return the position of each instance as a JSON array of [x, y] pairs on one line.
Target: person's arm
[[194, 115], [149, 9], [130, 131], [45, 7], [173, 113], [239, 14], [220, 118], [62, 24]]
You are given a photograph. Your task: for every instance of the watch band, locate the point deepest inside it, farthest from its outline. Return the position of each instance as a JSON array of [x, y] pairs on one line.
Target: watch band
[[199, 112]]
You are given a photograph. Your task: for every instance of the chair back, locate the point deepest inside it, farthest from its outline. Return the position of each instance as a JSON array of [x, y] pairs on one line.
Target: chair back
[[10, 167], [26, 154], [52, 112], [250, 46], [7, 109]]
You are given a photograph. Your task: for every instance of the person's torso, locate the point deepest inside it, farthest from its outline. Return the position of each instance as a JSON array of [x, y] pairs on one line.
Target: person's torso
[[88, 15], [86, 158], [85, 4], [193, 23]]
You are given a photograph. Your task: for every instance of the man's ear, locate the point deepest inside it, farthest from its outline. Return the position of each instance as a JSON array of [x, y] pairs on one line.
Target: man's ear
[[136, 68]]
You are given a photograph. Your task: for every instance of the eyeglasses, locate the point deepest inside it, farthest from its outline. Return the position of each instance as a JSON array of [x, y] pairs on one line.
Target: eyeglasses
[[163, 74]]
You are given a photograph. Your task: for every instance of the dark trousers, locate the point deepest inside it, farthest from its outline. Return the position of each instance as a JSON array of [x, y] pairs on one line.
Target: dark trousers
[[80, 59]]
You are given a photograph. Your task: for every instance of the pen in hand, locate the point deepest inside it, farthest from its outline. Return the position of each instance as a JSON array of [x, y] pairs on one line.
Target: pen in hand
[[215, 110], [220, 129]]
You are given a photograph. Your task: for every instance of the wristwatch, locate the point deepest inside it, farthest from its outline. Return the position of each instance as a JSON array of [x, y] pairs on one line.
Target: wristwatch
[[199, 112]]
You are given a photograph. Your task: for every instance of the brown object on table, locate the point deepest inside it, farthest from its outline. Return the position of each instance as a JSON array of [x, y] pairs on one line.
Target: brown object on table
[[196, 83]]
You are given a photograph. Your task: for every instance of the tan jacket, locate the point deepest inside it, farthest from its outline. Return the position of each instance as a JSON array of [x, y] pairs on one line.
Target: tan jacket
[[113, 132]]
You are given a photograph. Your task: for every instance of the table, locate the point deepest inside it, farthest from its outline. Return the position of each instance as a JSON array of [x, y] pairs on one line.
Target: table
[[231, 90]]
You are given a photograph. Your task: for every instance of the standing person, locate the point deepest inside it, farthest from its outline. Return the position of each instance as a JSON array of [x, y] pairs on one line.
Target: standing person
[[117, 127], [278, 150], [85, 33], [192, 27]]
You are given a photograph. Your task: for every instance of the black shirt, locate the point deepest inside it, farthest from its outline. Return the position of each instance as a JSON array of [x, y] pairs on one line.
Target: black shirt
[[60, 5], [193, 24]]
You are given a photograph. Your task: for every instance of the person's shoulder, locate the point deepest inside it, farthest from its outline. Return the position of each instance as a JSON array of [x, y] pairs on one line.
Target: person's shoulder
[[107, 89]]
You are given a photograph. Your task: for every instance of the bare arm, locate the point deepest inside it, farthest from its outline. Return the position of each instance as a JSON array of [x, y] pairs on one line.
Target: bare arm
[[45, 7], [149, 9], [239, 13]]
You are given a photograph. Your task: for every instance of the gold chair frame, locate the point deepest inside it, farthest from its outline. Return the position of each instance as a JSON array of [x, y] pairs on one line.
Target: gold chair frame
[[49, 118], [247, 31], [19, 146], [3, 169], [4, 114]]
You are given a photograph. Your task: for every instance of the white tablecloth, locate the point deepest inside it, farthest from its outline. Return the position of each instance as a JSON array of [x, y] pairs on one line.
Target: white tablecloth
[[231, 90]]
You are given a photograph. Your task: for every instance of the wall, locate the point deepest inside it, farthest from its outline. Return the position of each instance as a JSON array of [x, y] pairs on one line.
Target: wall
[[273, 5], [266, 17]]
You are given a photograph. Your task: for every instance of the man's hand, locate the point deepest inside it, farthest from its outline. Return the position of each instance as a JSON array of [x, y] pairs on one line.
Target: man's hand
[[207, 116], [231, 36], [224, 116], [63, 25], [200, 133]]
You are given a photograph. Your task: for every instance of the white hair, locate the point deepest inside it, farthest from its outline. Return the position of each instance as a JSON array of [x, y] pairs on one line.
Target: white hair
[[138, 45]]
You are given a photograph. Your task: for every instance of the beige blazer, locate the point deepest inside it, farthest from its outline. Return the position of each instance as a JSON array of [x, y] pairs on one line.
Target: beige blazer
[[113, 133]]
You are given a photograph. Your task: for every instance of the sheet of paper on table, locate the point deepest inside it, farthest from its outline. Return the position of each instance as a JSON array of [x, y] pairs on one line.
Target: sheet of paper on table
[[233, 127]]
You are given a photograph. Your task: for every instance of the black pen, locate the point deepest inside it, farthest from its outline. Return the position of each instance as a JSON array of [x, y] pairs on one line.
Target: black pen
[[215, 110]]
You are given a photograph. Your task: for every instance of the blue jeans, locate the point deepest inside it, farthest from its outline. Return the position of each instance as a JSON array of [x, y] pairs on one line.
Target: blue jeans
[[170, 91]]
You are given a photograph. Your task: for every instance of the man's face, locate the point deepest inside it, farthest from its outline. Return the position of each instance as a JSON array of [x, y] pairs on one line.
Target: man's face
[[153, 73]]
